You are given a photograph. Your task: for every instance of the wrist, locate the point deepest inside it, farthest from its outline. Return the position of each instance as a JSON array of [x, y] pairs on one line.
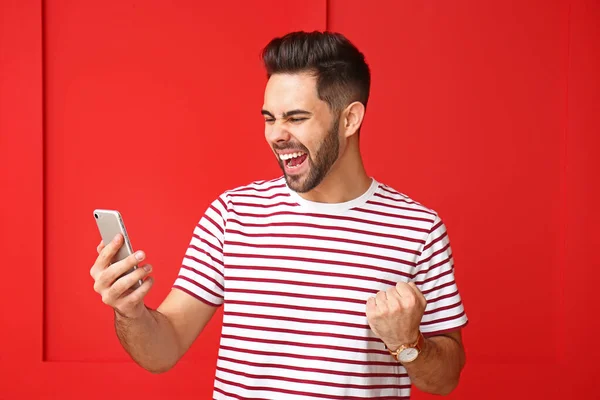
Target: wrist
[[132, 315], [409, 351], [396, 344]]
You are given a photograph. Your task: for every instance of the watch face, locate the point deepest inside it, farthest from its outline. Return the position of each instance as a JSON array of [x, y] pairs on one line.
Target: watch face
[[408, 355]]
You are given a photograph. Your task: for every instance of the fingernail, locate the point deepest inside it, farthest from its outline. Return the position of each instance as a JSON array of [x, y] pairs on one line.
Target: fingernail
[[147, 268], [139, 255]]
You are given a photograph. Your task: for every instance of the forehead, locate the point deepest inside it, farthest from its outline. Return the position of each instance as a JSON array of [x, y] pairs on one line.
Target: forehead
[[292, 91]]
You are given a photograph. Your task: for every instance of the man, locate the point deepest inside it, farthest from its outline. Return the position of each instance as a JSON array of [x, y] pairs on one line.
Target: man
[[334, 285]]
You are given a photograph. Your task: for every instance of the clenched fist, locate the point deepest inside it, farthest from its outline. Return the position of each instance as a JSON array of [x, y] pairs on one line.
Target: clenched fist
[[395, 315]]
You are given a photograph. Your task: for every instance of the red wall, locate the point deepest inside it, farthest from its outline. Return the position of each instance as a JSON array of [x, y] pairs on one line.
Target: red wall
[[487, 112]]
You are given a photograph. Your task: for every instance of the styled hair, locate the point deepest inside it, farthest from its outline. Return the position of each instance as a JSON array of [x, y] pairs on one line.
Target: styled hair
[[342, 74]]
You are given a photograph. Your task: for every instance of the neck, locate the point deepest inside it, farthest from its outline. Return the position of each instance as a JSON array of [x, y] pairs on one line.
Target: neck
[[346, 180]]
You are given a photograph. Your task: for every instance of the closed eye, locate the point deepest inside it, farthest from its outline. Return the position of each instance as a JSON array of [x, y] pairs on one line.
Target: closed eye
[[292, 120]]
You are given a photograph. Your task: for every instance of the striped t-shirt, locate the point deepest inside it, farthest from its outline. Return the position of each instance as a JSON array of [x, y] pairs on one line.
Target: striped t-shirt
[[294, 277]]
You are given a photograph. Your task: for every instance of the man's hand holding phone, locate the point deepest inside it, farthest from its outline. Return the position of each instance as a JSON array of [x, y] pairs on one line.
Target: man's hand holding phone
[[117, 290]]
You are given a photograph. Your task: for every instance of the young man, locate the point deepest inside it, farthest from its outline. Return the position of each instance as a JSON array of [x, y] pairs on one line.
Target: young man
[[334, 285]]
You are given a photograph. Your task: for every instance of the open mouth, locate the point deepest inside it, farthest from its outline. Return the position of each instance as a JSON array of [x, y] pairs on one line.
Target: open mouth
[[293, 160]]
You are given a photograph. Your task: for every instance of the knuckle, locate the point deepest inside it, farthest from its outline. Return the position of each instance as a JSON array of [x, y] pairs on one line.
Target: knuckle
[[103, 257], [111, 293], [106, 297], [108, 251], [100, 280]]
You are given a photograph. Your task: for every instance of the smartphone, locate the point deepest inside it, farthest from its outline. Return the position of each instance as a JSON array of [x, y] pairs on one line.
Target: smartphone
[[110, 223]]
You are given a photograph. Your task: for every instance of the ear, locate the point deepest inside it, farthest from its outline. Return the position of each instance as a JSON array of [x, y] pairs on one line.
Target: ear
[[352, 118]]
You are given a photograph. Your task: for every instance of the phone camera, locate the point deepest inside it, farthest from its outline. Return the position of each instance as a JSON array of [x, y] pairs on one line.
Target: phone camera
[[95, 215]]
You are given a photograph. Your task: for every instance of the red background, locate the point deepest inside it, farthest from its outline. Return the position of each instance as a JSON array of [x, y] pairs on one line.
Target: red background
[[488, 112]]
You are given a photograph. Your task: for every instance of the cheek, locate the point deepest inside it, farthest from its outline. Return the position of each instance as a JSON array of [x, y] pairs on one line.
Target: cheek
[[311, 137], [300, 136]]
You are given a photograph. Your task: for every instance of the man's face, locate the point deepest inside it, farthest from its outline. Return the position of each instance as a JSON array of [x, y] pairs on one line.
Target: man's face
[[300, 129]]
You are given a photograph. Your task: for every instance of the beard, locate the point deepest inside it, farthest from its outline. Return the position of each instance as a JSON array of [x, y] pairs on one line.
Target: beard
[[324, 158]]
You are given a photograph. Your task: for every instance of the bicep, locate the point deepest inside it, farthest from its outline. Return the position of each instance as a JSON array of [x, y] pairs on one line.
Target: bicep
[[187, 315]]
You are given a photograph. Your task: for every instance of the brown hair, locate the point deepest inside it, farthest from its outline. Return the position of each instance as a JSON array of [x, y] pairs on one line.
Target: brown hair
[[342, 74]]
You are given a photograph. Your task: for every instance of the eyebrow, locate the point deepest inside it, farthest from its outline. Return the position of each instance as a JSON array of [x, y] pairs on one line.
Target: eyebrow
[[287, 113]]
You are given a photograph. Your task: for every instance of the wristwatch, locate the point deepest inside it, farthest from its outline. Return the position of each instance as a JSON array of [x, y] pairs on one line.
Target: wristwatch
[[409, 352]]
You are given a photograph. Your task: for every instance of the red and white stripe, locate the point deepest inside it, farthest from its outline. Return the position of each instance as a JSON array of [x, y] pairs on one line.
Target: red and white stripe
[[294, 278]]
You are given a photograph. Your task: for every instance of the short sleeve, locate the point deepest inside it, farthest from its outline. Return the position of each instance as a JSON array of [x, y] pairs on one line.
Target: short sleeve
[[435, 279], [201, 274]]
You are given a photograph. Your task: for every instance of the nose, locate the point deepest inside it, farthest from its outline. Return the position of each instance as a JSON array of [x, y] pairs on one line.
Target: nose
[[276, 133]]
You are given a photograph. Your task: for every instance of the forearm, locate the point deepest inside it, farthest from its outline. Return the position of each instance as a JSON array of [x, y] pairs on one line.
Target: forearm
[[437, 368], [149, 339]]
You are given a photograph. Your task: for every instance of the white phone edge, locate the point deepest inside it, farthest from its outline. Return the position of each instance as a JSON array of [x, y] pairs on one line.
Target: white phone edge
[[122, 230]]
